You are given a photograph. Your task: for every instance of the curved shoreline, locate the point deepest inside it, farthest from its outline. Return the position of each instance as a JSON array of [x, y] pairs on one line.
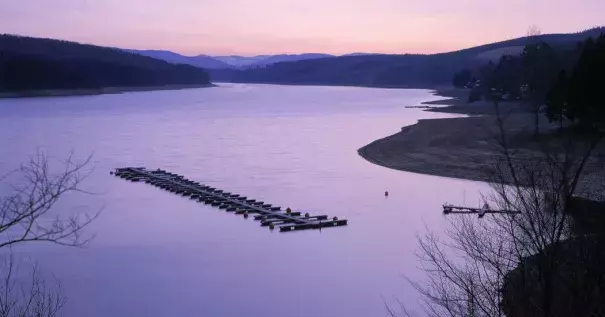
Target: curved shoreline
[[398, 152], [94, 92], [451, 147]]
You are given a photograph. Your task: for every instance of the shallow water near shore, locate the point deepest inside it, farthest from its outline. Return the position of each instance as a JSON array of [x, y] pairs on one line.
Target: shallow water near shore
[[159, 254]]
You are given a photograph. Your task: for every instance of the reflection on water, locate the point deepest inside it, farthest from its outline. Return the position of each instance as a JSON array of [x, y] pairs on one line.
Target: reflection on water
[[157, 254]]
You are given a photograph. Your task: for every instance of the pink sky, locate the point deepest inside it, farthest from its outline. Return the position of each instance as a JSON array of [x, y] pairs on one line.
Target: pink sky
[[249, 27]]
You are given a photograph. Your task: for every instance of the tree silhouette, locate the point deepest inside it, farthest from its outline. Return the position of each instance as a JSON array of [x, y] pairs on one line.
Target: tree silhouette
[[28, 215], [539, 68], [556, 100], [586, 101], [462, 78]]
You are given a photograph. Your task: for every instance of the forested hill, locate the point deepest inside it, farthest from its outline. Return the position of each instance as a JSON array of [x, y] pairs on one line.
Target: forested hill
[[391, 70], [43, 64]]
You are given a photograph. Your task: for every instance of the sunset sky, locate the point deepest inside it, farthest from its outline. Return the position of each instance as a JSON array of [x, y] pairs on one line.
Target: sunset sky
[[247, 27]]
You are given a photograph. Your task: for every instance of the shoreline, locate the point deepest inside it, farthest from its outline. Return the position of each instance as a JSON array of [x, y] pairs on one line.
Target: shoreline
[[119, 90], [455, 101], [95, 92], [418, 86], [448, 147], [410, 151]]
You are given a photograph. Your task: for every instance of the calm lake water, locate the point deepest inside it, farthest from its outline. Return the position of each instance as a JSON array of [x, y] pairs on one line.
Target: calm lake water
[[158, 254]]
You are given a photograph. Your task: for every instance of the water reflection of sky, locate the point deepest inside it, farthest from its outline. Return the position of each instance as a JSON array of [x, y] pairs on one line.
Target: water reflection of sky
[[157, 254]]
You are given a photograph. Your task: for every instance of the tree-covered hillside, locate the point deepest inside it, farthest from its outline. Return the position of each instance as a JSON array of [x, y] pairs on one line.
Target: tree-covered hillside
[[39, 64], [387, 70]]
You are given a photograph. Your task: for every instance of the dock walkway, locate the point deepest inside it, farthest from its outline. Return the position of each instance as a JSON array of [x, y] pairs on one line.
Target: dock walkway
[[269, 215], [486, 209]]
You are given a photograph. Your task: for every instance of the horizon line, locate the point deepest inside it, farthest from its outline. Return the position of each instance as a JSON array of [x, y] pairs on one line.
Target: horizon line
[[299, 53]]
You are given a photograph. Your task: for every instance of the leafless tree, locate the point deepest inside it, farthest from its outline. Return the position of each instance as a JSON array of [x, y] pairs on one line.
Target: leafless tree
[[533, 32], [27, 215], [519, 264], [28, 297]]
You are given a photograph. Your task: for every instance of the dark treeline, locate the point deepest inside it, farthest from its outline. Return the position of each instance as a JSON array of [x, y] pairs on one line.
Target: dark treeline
[[39, 64], [365, 70], [31, 64], [580, 97], [564, 83], [409, 70]]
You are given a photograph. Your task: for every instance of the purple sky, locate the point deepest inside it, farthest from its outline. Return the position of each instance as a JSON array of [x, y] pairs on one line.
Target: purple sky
[[294, 26]]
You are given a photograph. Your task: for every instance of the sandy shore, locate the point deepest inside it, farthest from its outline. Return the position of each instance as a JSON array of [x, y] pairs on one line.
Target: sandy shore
[[454, 147], [92, 92], [467, 147]]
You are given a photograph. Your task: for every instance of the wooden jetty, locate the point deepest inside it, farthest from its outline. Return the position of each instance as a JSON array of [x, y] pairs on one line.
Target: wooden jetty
[[268, 215], [486, 209]]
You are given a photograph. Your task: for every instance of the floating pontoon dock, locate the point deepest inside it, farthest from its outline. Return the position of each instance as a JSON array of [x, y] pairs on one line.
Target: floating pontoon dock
[[268, 215]]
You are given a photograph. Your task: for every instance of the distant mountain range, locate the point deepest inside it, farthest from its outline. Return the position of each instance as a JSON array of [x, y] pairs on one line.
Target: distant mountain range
[[202, 61], [266, 60], [34, 63], [229, 61], [362, 69], [382, 70]]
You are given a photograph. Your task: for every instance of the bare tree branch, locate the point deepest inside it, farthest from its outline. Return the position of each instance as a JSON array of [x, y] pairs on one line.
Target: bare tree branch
[[511, 261], [25, 215], [34, 298]]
